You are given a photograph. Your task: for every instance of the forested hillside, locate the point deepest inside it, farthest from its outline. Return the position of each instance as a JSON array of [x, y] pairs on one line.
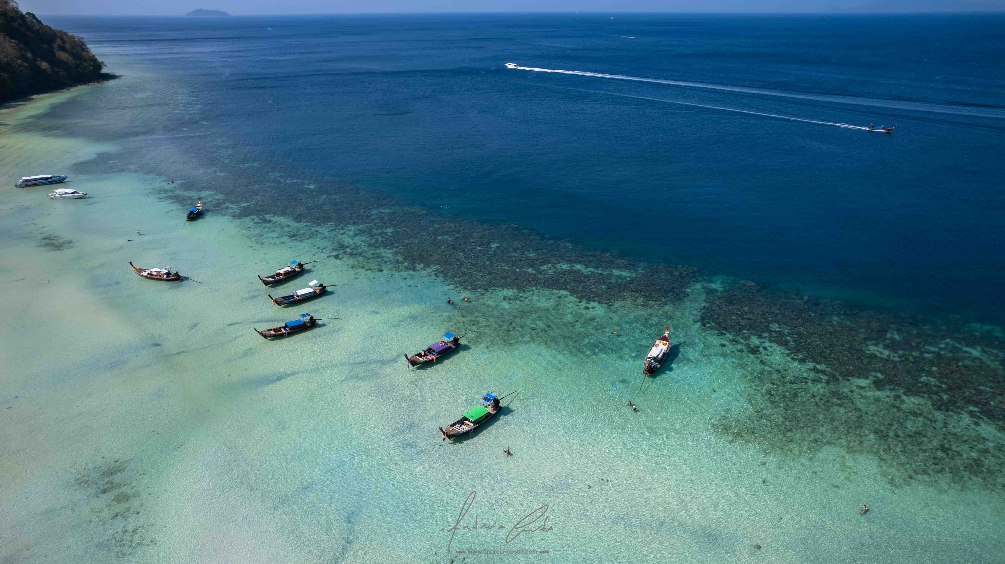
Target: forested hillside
[[36, 58]]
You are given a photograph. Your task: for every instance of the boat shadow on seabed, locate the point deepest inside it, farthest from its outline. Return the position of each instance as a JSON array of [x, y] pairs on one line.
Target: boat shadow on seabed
[[672, 354]]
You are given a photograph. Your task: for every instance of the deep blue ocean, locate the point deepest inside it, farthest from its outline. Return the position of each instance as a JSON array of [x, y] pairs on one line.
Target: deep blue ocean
[[733, 156]]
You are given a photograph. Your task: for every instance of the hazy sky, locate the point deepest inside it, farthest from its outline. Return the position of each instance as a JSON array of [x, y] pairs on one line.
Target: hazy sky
[[252, 7]]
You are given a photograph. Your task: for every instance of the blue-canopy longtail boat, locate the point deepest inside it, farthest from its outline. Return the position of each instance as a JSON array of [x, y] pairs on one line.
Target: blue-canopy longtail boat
[[195, 212], [285, 273], [657, 354], [162, 274], [306, 321], [300, 295], [474, 417], [449, 343]]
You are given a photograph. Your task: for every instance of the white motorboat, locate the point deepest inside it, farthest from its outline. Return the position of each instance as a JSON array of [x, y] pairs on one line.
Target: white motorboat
[[657, 354], [511, 65], [66, 193], [40, 180], [882, 128]]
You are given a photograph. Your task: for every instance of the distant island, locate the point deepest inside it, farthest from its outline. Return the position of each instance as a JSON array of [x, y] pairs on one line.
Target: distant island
[[36, 58], [201, 12]]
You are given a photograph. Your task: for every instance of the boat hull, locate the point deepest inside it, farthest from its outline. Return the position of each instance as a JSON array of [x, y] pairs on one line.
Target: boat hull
[[652, 363], [144, 273], [275, 278], [420, 358], [278, 332], [293, 299], [453, 433]]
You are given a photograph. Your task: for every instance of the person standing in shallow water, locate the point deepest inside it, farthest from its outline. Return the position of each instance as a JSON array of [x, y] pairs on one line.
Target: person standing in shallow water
[[864, 510]]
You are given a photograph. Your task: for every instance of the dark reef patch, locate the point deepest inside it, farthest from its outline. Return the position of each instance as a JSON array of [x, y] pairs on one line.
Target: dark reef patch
[[55, 243], [913, 393], [115, 506]]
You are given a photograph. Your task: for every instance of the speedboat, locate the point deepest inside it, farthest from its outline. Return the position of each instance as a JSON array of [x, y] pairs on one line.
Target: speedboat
[[40, 180], [66, 193], [882, 128], [511, 65]]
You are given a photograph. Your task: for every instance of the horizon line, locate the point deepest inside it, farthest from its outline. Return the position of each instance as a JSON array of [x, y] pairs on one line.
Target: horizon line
[[566, 12]]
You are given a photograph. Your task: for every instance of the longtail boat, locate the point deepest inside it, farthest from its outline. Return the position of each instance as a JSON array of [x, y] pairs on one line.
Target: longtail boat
[[194, 213], [474, 417], [449, 343], [657, 354], [162, 274], [300, 295], [306, 321], [285, 273]]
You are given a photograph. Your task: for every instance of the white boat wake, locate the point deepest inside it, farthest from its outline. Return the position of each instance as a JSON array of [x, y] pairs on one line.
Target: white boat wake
[[889, 104], [736, 110]]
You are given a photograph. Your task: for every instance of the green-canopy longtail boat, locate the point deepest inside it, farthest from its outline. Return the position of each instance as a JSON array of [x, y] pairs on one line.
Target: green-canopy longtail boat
[[472, 418]]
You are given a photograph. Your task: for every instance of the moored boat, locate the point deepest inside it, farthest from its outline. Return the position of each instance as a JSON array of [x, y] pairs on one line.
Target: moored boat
[[306, 321], [285, 273], [162, 274], [472, 418], [40, 180], [449, 343], [194, 212], [66, 193], [300, 295], [657, 354]]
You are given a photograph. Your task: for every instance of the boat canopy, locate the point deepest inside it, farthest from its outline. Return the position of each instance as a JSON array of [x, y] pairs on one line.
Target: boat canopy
[[36, 177], [193, 209], [476, 413], [448, 336], [304, 292], [295, 323], [294, 262], [439, 347]]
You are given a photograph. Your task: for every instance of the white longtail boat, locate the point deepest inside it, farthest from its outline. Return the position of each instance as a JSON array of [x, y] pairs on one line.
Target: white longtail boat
[[40, 180]]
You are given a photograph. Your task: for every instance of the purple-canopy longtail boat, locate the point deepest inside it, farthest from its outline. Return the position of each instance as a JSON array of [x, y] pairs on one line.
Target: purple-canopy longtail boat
[[434, 351]]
